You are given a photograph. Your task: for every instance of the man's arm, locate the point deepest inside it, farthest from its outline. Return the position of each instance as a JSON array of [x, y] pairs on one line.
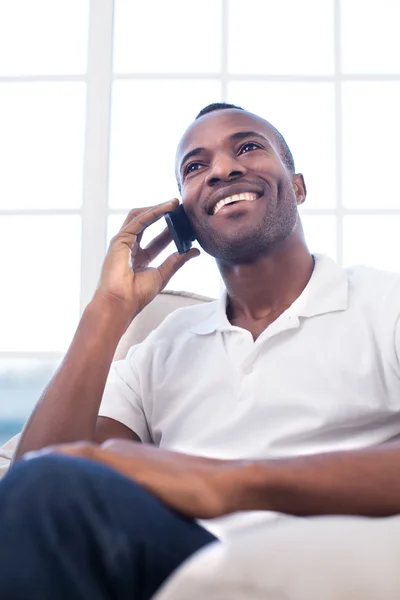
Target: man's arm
[[360, 482], [68, 408]]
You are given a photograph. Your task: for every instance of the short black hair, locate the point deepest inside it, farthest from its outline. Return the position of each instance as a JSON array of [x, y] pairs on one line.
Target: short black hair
[[285, 152]]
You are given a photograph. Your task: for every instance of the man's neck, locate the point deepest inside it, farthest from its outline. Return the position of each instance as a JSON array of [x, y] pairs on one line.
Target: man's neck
[[263, 290]]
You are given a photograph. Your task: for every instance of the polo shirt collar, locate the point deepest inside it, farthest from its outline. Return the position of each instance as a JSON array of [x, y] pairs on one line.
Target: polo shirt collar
[[326, 291]]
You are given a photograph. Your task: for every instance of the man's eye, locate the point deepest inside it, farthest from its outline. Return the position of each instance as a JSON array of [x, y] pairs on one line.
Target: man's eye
[[249, 146], [195, 166]]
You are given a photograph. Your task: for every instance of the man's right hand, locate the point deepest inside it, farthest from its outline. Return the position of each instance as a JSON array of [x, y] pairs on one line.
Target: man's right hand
[[69, 407], [127, 280]]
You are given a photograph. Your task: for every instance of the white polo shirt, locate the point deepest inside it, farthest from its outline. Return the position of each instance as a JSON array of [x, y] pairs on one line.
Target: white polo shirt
[[324, 376]]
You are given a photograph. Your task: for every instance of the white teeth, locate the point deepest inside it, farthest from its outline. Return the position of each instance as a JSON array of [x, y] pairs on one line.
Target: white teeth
[[249, 196]]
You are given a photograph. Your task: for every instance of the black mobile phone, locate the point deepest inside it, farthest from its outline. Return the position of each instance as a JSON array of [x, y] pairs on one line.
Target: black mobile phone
[[180, 228]]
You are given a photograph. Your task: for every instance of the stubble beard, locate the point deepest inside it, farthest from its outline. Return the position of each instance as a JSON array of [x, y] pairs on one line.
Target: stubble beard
[[262, 238]]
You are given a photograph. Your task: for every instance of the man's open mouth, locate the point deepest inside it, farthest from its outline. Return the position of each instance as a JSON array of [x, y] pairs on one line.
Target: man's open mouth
[[245, 196]]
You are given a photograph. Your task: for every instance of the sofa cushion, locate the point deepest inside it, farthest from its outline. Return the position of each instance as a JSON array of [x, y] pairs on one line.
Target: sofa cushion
[[314, 558]]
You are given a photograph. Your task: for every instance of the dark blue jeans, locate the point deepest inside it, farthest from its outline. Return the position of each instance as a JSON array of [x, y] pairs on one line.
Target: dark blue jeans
[[72, 529]]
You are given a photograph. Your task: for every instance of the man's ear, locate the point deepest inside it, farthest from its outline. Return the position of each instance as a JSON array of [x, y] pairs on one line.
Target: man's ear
[[299, 187]]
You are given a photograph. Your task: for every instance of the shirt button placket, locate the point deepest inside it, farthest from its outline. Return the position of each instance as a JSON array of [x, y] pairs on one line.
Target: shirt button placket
[[247, 369]]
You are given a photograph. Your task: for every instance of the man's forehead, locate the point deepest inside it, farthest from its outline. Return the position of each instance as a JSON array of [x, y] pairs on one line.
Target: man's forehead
[[220, 124]]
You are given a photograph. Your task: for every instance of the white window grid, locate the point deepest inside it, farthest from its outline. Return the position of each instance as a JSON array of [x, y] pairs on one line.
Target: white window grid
[[99, 79]]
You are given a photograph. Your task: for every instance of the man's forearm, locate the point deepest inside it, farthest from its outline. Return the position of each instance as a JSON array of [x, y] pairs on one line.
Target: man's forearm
[[362, 482], [68, 408]]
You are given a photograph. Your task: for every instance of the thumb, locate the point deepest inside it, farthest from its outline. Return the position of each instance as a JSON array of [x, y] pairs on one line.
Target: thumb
[[174, 262]]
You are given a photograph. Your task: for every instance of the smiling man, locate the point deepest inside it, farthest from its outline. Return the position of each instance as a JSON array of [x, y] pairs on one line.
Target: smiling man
[[281, 397], [260, 166], [258, 241]]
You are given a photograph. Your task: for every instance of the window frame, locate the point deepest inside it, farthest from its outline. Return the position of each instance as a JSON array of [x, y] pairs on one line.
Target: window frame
[[99, 80]]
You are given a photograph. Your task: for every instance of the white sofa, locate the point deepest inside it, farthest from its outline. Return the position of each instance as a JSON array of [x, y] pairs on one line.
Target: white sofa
[[319, 558]]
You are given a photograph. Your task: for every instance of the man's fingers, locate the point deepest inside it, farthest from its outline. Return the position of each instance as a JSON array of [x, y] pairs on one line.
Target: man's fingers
[[139, 218], [174, 262], [132, 214], [158, 244]]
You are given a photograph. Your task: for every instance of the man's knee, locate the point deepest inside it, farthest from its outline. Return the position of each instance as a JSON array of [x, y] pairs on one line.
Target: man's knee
[[60, 522], [44, 467], [46, 478], [61, 490], [76, 509], [53, 482]]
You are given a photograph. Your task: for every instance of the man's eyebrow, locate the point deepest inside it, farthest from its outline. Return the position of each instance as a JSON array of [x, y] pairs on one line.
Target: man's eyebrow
[[194, 152], [240, 135]]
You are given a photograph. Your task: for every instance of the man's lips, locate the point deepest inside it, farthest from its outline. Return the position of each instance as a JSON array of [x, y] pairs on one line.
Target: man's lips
[[250, 191]]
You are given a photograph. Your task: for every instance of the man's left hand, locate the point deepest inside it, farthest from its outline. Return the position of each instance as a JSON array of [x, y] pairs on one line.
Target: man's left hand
[[192, 485]]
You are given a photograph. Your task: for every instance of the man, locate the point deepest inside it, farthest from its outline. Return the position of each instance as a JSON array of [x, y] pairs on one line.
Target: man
[[282, 397]]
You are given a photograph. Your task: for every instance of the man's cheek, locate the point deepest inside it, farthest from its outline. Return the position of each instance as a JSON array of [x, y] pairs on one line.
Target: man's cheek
[[192, 204]]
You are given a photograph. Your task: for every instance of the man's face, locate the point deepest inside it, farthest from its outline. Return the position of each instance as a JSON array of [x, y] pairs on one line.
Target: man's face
[[232, 155]]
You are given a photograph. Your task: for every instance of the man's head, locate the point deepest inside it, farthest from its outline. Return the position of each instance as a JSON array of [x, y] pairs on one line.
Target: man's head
[[227, 152]]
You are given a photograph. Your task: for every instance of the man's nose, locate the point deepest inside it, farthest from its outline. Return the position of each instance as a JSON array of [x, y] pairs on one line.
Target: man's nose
[[224, 168]]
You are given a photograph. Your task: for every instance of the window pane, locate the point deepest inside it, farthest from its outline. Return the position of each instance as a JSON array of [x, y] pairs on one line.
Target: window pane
[[372, 240], [370, 36], [304, 114], [148, 120], [320, 233], [44, 37], [266, 36], [41, 144], [21, 385], [39, 306], [167, 37], [200, 275], [371, 152]]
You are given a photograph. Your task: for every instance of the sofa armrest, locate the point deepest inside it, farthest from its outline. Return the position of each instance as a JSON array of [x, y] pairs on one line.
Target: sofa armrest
[[329, 558], [6, 454]]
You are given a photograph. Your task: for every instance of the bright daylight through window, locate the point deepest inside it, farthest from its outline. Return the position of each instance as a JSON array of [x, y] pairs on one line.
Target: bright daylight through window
[[93, 99]]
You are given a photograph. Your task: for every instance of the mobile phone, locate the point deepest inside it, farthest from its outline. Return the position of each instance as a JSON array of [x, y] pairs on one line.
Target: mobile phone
[[180, 228]]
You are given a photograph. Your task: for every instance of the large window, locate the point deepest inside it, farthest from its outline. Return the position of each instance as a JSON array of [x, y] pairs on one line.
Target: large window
[[93, 99]]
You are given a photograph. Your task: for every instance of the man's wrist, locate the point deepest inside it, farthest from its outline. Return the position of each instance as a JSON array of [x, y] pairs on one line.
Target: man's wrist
[[249, 485], [109, 311]]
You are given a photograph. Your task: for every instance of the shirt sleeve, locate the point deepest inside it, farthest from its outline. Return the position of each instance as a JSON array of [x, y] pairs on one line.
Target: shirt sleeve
[[390, 316], [121, 399], [397, 344]]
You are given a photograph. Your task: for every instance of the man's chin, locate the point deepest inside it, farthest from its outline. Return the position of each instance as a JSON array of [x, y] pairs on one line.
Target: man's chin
[[239, 250]]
